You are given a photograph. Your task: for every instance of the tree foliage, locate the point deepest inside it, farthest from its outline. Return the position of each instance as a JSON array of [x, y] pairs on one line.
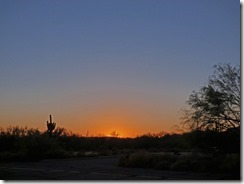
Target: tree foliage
[[216, 106]]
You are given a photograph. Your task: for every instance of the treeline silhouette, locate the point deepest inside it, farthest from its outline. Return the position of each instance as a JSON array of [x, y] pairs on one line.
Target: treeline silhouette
[[28, 144]]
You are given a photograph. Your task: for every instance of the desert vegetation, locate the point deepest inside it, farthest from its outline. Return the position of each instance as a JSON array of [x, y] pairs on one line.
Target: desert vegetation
[[199, 151]]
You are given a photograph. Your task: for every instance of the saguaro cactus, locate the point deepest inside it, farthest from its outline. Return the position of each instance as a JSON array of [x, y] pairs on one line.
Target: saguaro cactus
[[50, 126]]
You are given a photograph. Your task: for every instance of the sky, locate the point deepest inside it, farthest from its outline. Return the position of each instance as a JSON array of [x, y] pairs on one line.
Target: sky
[[105, 65]]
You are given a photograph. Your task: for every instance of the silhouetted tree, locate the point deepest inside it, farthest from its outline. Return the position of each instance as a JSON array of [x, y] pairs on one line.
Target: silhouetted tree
[[114, 134], [216, 106]]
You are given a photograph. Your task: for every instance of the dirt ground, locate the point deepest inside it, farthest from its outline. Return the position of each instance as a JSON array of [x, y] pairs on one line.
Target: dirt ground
[[95, 168]]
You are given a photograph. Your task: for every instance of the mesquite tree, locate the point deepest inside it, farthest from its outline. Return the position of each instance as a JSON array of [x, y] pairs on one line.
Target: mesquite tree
[[216, 106]]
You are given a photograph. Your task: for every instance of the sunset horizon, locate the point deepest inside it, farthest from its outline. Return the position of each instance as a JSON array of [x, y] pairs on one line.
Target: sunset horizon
[[120, 90], [106, 130], [103, 66]]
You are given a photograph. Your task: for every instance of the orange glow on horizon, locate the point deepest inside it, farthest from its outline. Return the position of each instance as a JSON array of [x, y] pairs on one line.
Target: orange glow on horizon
[[106, 123], [125, 123], [124, 117]]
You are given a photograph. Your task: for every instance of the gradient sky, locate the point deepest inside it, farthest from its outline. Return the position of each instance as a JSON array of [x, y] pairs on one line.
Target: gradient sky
[[104, 65]]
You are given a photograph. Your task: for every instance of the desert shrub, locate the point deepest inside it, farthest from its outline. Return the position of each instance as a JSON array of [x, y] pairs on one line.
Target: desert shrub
[[146, 142], [225, 142], [192, 162], [40, 147], [196, 162], [71, 142], [7, 143], [140, 159], [175, 142]]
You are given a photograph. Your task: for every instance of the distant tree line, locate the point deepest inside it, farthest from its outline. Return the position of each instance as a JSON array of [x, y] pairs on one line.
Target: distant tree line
[[18, 143]]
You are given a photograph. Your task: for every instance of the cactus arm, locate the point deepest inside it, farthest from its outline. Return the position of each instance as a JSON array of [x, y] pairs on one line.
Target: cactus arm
[[50, 126]]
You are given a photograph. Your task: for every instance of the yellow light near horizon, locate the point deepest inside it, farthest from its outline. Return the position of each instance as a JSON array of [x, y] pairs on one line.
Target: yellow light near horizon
[[109, 124], [106, 121], [128, 119]]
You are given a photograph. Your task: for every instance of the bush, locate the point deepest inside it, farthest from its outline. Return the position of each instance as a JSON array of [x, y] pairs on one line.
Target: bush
[[196, 162], [19, 143], [192, 162]]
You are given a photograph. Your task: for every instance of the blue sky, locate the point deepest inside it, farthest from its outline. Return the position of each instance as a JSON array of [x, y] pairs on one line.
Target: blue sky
[[74, 58]]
